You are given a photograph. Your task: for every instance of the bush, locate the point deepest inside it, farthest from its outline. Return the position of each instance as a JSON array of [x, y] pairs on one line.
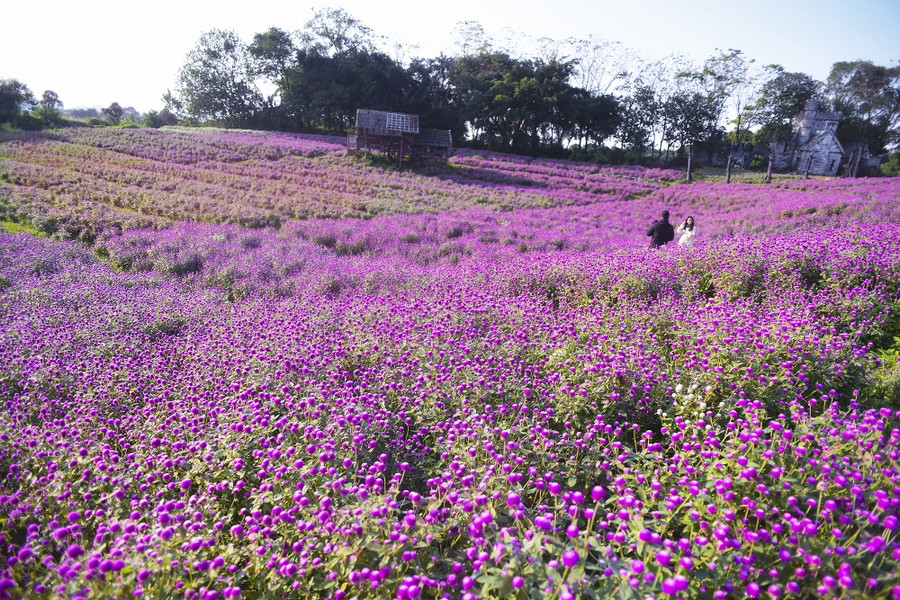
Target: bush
[[891, 166]]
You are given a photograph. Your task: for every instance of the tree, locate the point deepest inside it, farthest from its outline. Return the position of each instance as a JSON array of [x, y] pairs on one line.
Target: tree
[[82, 113], [640, 113], [217, 81], [869, 97], [332, 31], [782, 96], [602, 64], [324, 91], [693, 120], [744, 91], [48, 108], [15, 97], [594, 117], [524, 104], [470, 80], [658, 81], [155, 120], [174, 105], [724, 79], [50, 100], [114, 113], [273, 52], [434, 98], [891, 166], [470, 39]]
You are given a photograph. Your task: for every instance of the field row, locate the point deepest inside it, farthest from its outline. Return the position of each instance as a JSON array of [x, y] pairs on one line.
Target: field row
[[79, 184]]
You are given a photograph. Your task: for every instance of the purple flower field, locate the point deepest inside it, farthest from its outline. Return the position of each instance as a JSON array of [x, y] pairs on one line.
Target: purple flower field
[[243, 365]]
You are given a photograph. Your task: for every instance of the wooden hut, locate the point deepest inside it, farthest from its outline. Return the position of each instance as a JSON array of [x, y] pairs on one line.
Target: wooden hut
[[398, 136]]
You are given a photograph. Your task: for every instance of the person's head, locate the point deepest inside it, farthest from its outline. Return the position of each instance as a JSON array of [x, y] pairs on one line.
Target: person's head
[[665, 215], [689, 222]]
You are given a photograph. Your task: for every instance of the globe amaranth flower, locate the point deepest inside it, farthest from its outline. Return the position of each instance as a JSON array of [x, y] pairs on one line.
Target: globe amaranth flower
[[570, 558]]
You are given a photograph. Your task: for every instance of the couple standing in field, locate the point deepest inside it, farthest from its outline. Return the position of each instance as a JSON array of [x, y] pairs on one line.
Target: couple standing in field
[[661, 232]]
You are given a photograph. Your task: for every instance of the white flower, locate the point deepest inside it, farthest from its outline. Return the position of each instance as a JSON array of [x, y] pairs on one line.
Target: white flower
[[678, 388]]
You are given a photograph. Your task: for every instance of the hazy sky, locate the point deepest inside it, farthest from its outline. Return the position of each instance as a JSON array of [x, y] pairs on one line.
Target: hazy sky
[[96, 52]]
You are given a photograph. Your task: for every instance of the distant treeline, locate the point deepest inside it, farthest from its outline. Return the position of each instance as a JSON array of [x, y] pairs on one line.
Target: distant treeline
[[577, 95], [586, 99]]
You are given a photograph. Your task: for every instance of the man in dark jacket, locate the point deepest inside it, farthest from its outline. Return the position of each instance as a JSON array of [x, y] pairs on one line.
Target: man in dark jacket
[[661, 232]]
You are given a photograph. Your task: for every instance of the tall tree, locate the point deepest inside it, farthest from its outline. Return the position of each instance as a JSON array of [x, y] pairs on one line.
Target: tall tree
[[470, 39], [525, 101], [217, 82], [594, 118], [325, 91], [274, 54], [333, 30], [693, 120], [49, 107], [50, 100], [869, 96], [640, 112], [782, 96], [722, 78], [602, 65], [660, 79], [15, 97], [471, 80], [114, 112], [434, 98]]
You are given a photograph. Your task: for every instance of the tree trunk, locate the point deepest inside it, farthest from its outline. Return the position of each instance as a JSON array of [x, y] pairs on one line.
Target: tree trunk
[[728, 169], [690, 157], [857, 153], [769, 167], [808, 166]]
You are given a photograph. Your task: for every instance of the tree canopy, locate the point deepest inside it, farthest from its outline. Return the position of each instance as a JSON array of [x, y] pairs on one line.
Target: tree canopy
[[218, 83], [869, 97], [15, 97]]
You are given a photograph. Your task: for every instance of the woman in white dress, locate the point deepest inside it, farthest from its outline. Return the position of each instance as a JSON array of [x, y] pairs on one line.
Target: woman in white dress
[[688, 232]]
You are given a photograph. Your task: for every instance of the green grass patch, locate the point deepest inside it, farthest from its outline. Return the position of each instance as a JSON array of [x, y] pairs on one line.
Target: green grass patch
[[15, 227]]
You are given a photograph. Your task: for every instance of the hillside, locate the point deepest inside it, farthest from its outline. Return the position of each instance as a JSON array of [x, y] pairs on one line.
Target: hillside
[[248, 365]]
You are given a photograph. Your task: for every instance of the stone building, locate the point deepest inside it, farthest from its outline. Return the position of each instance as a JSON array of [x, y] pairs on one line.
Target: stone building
[[814, 145]]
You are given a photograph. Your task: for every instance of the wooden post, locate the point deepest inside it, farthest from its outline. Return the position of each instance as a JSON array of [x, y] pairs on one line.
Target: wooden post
[[728, 169], [769, 167]]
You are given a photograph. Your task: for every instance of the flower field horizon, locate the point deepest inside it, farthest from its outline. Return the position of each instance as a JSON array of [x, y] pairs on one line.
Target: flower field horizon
[[247, 365]]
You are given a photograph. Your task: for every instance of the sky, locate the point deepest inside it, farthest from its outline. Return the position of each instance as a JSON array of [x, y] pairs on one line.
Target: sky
[[96, 52]]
